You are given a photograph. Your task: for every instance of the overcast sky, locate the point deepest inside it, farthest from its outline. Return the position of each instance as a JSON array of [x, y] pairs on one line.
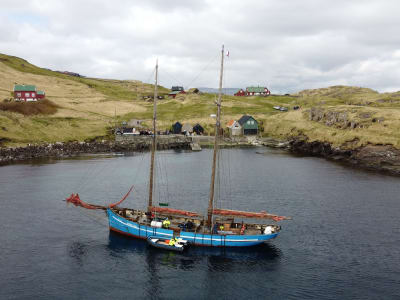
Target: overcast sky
[[286, 45]]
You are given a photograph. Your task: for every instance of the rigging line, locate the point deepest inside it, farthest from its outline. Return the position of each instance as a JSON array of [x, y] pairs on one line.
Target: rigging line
[[92, 172], [229, 178], [201, 72], [172, 77], [151, 76]]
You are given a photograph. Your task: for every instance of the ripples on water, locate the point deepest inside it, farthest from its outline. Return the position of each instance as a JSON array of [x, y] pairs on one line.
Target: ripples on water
[[343, 242]]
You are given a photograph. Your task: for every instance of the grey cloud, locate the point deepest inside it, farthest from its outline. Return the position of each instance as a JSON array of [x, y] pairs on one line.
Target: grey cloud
[[287, 45]]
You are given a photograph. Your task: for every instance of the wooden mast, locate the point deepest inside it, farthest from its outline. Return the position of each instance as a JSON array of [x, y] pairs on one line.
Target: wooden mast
[[154, 145], [217, 129]]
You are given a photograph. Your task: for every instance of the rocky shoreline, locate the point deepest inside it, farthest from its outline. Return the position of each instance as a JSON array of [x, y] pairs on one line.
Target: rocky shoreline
[[382, 158], [70, 149]]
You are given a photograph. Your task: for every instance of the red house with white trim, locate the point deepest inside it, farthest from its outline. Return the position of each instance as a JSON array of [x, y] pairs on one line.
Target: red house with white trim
[[27, 93]]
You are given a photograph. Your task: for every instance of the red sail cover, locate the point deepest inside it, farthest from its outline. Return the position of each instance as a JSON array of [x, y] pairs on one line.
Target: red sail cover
[[248, 214], [75, 200], [174, 211], [120, 201]]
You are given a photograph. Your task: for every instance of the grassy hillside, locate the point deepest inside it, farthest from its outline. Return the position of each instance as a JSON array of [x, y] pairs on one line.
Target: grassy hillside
[[87, 108]]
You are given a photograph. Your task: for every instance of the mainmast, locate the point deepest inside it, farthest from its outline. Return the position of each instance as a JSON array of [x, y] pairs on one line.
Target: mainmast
[[216, 143], [154, 144]]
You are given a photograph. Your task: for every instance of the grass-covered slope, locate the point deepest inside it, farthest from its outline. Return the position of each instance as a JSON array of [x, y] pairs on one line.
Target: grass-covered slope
[[87, 108]]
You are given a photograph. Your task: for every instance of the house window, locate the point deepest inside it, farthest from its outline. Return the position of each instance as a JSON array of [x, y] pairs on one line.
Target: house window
[[252, 122], [26, 94], [18, 95]]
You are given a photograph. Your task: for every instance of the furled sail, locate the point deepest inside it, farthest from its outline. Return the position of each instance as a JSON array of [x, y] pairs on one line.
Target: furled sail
[[248, 214], [172, 211], [76, 200]]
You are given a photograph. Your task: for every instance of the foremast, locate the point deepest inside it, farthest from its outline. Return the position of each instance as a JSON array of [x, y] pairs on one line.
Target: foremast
[[216, 143], [154, 144]]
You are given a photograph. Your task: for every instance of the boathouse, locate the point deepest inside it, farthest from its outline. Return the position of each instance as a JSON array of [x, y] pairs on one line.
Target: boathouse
[[198, 129], [176, 128], [249, 125], [27, 93], [234, 128]]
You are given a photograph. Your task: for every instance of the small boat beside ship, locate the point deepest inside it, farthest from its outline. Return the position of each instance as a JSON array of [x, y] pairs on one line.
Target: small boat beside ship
[[173, 244]]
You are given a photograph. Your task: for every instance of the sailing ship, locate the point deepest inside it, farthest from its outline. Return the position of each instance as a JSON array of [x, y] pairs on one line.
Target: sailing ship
[[220, 228]]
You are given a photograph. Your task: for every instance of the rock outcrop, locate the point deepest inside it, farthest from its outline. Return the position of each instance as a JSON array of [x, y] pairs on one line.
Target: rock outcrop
[[383, 158]]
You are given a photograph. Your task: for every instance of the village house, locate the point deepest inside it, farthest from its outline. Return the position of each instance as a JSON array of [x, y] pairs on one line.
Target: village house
[[234, 128], [249, 125], [176, 90], [27, 93], [257, 91], [253, 91]]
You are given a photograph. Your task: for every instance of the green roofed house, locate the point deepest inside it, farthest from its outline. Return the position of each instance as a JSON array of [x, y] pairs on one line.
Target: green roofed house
[[25, 93], [249, 125], [257, 91]]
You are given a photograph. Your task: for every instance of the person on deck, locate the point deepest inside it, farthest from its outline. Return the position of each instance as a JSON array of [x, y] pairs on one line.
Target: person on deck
[[172, 242], [166, 223]]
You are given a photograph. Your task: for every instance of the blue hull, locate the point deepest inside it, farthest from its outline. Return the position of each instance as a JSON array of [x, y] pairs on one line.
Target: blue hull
[[133, 229]]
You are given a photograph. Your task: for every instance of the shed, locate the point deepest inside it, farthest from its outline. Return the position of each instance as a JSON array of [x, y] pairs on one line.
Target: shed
[[249, 125], [187, 128], [40, 95], [234, 128], [176, 128], [198, 129], [240, 92]]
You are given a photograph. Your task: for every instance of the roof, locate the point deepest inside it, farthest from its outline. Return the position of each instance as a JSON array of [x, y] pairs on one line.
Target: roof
[[198, 127], [244, 119], [233, 124], [40, 92], [230, 123], [177, 88], [24, 88], [256, 89]]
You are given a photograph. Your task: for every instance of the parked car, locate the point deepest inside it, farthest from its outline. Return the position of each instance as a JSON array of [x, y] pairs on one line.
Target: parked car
[[283, 109]]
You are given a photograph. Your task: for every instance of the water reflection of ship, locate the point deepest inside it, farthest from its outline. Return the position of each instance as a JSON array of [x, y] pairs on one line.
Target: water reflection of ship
[[217, 258]]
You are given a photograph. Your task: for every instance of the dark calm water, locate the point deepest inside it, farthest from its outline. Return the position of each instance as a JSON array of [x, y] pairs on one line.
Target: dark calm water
[[343, 241]]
